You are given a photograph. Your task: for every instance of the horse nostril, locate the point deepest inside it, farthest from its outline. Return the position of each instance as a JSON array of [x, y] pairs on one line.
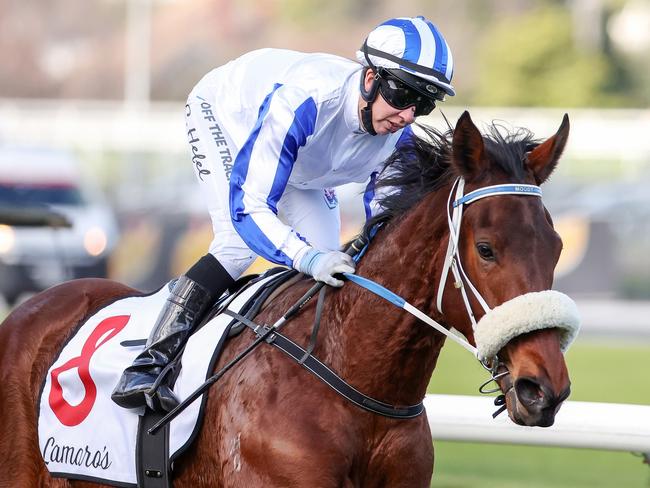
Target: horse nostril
[[530, 394]]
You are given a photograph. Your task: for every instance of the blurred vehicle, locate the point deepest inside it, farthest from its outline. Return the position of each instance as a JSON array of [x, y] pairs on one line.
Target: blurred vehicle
[[53, 224]]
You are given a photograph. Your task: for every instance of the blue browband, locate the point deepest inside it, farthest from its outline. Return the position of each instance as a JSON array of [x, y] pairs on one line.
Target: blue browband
[[506, 189]]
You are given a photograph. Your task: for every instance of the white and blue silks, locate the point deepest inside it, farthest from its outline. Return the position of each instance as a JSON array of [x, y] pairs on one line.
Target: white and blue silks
[[271, 133]]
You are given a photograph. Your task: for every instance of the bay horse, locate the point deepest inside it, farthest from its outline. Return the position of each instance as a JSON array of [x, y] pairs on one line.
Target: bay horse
[[268, 421]]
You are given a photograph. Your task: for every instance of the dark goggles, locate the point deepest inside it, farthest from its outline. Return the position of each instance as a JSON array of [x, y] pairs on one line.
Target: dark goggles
[[399, 95]]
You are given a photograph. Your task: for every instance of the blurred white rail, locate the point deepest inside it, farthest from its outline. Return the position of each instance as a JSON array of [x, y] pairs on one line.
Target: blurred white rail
[[160, 126], [607, 426], [94, 125]]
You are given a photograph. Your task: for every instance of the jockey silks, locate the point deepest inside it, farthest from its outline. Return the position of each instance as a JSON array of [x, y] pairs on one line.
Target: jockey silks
[[271, 133]]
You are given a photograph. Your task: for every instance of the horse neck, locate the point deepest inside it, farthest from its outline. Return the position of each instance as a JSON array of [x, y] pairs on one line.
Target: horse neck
[[382, 350]]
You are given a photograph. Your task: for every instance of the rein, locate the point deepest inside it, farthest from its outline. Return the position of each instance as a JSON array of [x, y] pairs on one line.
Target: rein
[[271, 335], [357, 249]]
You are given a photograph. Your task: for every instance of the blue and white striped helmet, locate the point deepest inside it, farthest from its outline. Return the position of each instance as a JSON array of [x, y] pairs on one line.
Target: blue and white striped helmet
[[414, 45]]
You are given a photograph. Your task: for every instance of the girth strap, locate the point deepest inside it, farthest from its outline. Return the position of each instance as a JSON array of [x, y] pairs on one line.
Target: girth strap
[[152, 453]]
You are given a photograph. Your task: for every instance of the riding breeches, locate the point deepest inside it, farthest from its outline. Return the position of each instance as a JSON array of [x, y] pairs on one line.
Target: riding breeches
[[314, 214]]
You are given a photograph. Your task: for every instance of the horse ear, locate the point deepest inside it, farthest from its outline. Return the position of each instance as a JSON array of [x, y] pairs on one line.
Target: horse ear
[[467, 147], [544, 158]]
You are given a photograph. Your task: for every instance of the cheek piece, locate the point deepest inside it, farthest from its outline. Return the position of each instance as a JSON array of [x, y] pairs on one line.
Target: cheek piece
[[369, 96]]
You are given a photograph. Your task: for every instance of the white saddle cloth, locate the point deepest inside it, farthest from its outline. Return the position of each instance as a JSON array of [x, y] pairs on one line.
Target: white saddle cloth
[[82, 433]]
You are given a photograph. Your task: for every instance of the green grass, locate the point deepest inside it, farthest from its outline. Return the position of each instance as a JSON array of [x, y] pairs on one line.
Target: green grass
[[600, 371], [461, 465]]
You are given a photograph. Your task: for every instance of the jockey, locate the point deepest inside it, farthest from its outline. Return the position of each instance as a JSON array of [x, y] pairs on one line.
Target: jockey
[[271, 134]]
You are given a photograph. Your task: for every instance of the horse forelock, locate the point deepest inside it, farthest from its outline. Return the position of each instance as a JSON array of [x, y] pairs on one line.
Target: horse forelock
[[507, 148], [423, 165]]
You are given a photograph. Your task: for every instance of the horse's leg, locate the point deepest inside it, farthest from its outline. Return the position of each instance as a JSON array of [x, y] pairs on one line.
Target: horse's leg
[[30, 337], [403, 457]]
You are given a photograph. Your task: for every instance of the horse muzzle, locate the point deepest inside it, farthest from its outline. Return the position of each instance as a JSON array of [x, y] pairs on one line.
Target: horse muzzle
[[530, 398], [531, 404]]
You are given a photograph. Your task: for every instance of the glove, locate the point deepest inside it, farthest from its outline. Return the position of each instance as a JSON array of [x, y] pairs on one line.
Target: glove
[[324, 265]]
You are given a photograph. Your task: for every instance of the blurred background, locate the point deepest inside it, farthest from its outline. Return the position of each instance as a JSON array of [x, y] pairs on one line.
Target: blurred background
[[95, 177]]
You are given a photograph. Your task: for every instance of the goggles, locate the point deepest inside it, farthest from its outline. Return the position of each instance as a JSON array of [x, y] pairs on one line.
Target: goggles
[[400, 95]]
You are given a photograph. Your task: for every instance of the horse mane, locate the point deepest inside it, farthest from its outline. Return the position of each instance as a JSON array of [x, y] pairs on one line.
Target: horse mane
[[422, 165]]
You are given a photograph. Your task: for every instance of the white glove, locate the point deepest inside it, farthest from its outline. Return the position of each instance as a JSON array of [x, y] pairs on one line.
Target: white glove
[[323, 265]]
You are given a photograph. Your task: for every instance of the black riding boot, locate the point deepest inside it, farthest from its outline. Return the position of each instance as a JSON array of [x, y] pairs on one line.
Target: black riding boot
[[192, 294]]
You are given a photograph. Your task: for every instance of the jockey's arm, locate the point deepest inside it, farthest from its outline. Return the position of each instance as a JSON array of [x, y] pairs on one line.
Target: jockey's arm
[[261, 171], [260, 174]]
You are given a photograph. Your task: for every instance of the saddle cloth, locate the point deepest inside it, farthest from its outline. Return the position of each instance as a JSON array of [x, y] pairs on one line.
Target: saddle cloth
[[82, 433]]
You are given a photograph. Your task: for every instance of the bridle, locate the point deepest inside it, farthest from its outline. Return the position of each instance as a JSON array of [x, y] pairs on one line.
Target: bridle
[[461, 280], [454, 220], [492, 364], [524, 313]]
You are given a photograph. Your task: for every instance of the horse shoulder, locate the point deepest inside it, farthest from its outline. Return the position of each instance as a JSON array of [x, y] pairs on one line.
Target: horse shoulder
[[276, 429], [305, 425]]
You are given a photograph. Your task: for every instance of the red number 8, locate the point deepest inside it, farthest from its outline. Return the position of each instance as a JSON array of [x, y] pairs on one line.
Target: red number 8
[[72, 415]]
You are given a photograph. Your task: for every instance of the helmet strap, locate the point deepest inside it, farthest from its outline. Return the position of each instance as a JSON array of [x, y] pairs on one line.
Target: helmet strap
[[369, 96], [366, 119]]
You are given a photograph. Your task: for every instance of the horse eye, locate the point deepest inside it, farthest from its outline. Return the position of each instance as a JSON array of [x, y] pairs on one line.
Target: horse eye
[[485, 251]]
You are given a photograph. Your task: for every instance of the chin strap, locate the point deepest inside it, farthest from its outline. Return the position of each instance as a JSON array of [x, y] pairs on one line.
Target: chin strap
[[369, 96], [366, 119]]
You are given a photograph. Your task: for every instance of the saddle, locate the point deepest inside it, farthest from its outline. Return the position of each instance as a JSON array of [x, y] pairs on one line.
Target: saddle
[[152, 460], [74, 406]]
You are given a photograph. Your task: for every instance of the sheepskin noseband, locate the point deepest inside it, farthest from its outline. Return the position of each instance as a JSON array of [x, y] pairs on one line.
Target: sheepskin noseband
[[525, 313]]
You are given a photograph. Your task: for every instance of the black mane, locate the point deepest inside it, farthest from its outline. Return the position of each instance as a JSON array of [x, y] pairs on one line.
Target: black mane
[[423, 165]]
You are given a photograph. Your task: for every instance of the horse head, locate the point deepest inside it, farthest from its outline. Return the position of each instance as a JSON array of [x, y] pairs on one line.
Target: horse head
[[508, 249]]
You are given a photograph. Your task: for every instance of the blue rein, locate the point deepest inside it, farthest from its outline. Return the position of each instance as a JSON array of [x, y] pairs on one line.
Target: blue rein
[[376, 288]]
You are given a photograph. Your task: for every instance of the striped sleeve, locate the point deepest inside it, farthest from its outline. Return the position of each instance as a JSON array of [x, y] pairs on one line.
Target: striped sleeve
[[286, 119]]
